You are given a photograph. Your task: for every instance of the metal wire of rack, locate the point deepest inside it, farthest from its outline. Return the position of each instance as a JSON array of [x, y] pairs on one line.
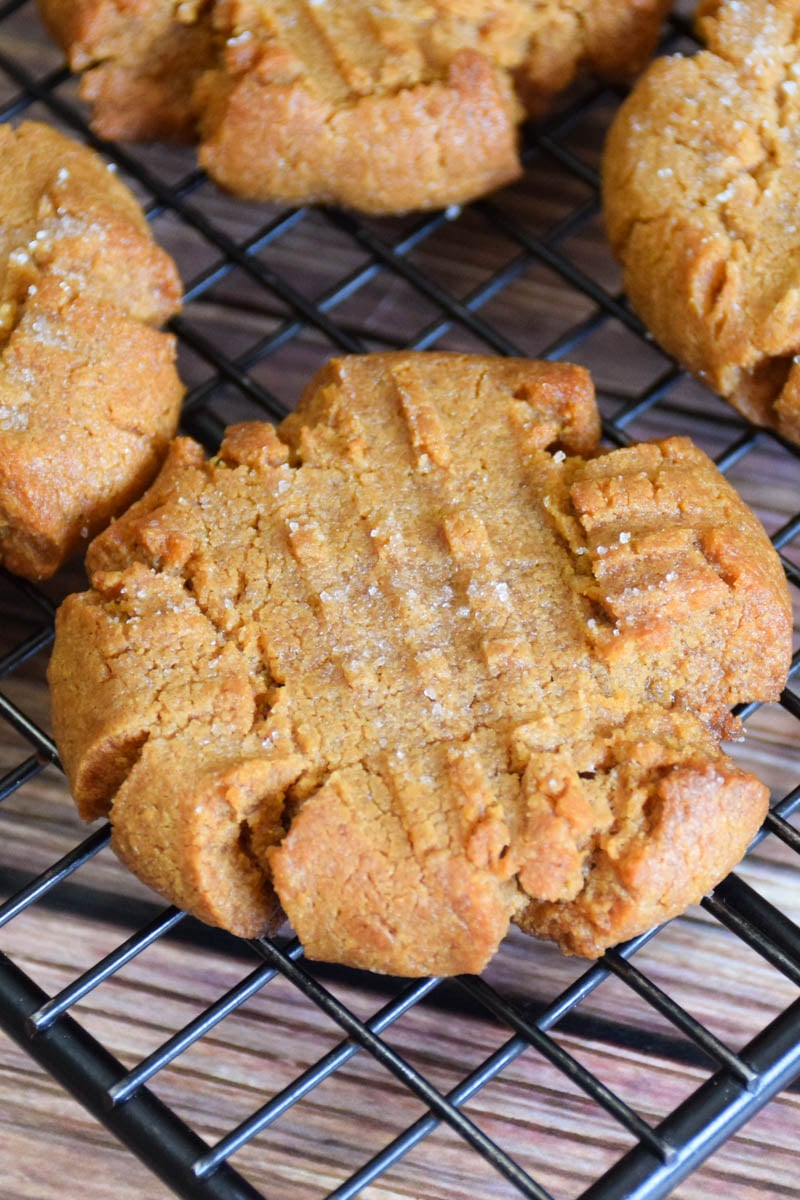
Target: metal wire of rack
[[256, 275]]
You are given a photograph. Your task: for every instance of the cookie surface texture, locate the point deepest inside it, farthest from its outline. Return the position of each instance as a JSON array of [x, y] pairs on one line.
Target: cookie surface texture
[[89, 394], [701, 180], [416, 666], [380, 107], [139, 62]]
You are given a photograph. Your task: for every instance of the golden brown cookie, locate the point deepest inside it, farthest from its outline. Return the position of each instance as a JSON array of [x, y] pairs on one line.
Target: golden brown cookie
[[701, 179], [417, 666], [89, 395], [381, 107]]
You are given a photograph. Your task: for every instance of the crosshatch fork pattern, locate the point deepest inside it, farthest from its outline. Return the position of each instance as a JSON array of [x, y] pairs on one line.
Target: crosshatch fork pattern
[[263, 308]]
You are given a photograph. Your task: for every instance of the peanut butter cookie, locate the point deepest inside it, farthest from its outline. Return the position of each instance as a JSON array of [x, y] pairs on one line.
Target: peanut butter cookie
[[701, 185], [381, 107], [420, 663], [89, 395]]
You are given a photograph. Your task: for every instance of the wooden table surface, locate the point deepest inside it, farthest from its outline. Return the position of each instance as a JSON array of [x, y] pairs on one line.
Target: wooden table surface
[[49, 1146]]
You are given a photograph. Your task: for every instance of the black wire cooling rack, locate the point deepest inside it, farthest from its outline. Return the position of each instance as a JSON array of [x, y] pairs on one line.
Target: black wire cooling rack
[[270, 294]]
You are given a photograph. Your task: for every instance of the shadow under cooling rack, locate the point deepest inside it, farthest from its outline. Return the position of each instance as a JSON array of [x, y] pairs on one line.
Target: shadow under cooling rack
[[543, 1078]]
